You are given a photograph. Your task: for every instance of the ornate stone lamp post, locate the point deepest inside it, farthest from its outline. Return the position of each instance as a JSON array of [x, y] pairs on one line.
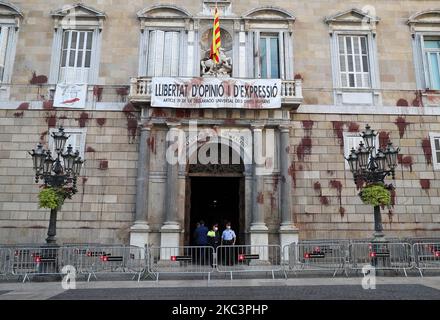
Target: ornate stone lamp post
[[372, 165], [61, 172]]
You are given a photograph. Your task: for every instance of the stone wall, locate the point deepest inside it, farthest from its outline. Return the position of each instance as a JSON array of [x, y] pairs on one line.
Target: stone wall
[[322, 212], [102, 211]]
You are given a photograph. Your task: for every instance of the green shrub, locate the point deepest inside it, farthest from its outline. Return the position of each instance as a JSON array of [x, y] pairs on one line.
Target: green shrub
[[376, 195], [51, 198]]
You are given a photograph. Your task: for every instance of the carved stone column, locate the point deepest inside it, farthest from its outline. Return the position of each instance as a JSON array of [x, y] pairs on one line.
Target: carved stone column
[[259, 231], [288, 230], [170, 231], [139, 232]]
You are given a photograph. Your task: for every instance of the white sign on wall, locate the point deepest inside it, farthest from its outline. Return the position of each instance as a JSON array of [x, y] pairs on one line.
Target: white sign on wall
[[216, 93], [70, 96]]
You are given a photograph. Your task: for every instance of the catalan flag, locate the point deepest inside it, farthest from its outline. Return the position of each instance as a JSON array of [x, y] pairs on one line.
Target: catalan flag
[[216, 42]]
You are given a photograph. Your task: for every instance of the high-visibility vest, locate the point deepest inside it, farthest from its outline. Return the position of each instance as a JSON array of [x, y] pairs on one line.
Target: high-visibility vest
[[211, 234]]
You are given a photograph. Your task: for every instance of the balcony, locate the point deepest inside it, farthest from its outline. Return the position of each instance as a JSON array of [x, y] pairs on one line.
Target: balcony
[[291, 92]]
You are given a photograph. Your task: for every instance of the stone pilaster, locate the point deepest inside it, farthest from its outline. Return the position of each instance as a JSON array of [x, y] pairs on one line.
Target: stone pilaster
[[139, 232], [288, 230]]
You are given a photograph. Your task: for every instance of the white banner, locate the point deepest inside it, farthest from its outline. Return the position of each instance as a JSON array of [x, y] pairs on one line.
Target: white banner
[[70, 96], [216, 93]]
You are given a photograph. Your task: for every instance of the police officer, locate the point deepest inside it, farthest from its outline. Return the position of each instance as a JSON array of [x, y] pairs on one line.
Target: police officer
[[214, 240], [228, 239]]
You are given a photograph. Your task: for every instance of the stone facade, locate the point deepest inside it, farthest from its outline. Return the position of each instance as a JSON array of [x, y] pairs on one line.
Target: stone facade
[[127, 193]]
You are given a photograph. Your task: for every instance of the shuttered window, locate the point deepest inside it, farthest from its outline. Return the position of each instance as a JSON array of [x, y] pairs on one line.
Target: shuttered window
[[163, 53], [76, 56], [354, 61], [435, 146], [270, 57], [432, 56], [4, 40]]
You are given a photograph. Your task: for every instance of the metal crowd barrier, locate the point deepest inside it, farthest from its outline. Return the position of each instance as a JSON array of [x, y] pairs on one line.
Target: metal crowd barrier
[[382, 256], [5, 258], [426, 256], [248, 258], [175, 260], [317, 256], [33, 261], [93, 260]]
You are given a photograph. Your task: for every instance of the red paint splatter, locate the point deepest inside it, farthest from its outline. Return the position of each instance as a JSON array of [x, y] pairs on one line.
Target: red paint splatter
[[260, 198], [159, 113], [129, 108], [402, 103], [324, 200], [51, 120], [83, 118], [273, 201], [335, 184], [62, 118], [48, 105], [19, 114], [23, 106], [353, 127], [384, 139], [292, 174], [90, 149], [425, 184], [97, 92], [308, 124], [426, 145], [298, 76], [84, 180], [123, 91], [317, 187], [406, 162], [342, 211], [304, 148], [393, 197], [151, 142], [359, 183], [331, 172], [132, 126], [132, 121], [418, 101], [101, 121], [183, 113], [276, 181], [103, 164], [338, 129], [401, 124], [43, 134]]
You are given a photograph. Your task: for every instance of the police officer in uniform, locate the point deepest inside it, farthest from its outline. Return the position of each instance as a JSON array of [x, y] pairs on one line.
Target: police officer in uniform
[[228, 239]]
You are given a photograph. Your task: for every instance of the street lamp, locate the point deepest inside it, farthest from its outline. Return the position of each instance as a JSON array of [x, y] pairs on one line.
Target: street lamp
[[59, 172], [372, 165]]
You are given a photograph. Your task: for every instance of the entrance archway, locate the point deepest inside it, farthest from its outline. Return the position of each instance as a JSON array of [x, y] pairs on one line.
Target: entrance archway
[[215, 193]]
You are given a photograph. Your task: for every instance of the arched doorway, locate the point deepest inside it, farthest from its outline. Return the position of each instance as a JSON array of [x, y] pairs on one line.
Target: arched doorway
[[215, 194]]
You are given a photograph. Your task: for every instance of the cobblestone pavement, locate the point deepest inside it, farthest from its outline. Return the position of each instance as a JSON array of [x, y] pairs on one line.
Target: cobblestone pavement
[[264, 289], [327, 292]]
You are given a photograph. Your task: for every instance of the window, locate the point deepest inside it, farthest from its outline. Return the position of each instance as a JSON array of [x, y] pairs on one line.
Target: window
[[163, 53], [352, 140], [435, 145], [269, 57], [432, 58], [353, 61], [76, 45], [76, 56], [4, 33], [77, 138]]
